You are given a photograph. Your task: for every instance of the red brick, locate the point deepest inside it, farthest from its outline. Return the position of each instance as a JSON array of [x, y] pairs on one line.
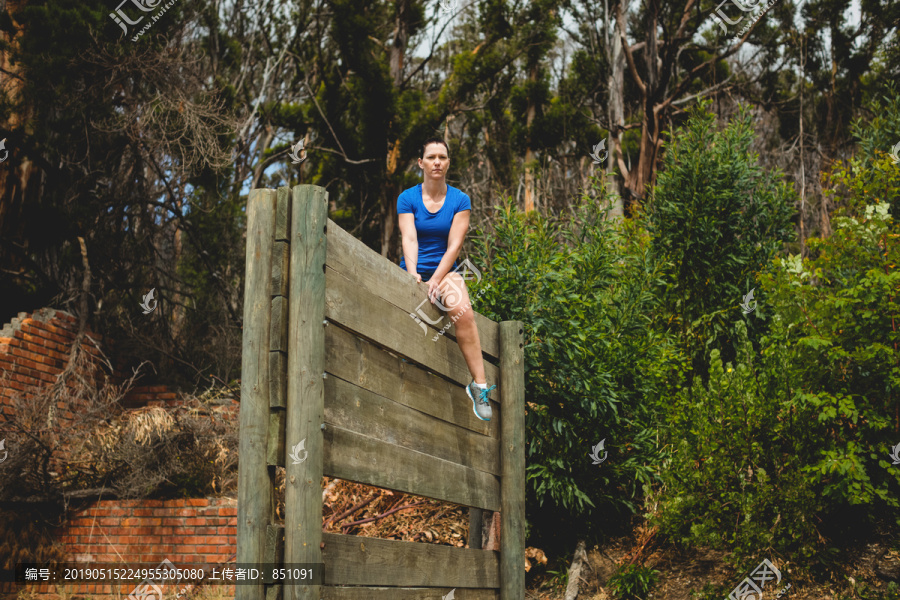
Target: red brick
[[108, 522], [196, 521], [207, 549], [227, 531], [228, 511], [174, 521], [185, 512], [204, 531], [143, 512], [198, 502], [45, 368]]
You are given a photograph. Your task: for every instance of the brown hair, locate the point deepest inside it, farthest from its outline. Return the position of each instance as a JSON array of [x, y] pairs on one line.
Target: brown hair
[[434, 140]]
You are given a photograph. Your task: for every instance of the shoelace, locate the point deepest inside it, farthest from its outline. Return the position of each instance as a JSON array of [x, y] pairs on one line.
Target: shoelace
[[483, 395]]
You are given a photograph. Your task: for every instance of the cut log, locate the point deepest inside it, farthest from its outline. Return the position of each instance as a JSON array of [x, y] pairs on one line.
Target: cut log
[[578, 562]]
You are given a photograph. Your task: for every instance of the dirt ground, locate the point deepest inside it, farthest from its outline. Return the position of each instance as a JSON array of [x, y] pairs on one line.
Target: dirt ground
[[683, 575]]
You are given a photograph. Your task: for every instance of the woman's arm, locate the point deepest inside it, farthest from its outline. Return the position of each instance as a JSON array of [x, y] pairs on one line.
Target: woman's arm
[[410, 242], [454, 244]]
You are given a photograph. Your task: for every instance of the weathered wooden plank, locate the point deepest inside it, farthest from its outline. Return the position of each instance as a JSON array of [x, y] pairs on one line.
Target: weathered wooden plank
[[276, 437], [275, 591], [274, 556], [277, 379], [283, 214], [393, 593], [475, 528], [306, 390], [375, 462], [352, 560], [280, 265], [254, 486], [388, 325], [377, 275], [278, 330], [361, 362], [274, 544], [512, 426], [358, 410]]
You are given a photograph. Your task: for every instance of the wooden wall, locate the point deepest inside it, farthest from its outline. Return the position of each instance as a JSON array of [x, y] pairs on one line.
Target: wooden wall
[[340, 380]]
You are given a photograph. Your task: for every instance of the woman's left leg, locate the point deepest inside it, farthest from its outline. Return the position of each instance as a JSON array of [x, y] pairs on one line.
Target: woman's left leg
[[455, 297]]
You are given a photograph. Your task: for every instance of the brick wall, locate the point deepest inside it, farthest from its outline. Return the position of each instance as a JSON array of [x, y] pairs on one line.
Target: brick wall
[[190, 533], [34, 349]]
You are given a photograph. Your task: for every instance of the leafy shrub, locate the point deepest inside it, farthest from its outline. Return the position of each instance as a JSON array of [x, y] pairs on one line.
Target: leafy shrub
[[633, 582], [792, 445], [716, 218], [583, 288]]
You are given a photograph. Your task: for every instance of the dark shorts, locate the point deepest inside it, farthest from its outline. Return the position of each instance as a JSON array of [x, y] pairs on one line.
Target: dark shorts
[[427, 275]]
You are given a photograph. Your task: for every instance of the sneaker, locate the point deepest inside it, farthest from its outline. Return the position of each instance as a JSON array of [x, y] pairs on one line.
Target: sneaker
[[481, 406]]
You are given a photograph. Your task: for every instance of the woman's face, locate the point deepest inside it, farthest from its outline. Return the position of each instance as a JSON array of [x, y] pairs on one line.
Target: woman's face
[[435, 162]]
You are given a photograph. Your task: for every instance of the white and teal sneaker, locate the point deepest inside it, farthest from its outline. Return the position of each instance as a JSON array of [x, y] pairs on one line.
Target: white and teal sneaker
[[479, 396]]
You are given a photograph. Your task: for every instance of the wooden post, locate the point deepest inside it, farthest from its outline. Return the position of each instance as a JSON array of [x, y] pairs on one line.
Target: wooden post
[[512, 457], [475, 516], [255, 493], [305, 386]]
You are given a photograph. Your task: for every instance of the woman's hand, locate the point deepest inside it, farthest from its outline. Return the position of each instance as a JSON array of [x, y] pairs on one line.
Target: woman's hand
[[434, 289], [418, 278]]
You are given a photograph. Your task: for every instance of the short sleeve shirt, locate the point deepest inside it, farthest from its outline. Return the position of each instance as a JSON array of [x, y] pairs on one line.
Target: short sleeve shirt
[[432, 229]]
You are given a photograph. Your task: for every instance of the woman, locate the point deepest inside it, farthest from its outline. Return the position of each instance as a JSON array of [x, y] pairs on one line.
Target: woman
[[434, 218]]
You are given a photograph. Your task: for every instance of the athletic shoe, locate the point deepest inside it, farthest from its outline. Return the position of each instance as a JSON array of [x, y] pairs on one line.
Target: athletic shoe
[[481, 406]]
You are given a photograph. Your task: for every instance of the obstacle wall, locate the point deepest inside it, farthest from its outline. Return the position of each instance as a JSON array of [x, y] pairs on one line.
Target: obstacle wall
[[339, 380]]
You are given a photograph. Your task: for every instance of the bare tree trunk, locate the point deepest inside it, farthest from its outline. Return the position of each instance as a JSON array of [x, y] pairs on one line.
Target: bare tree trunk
[[615, 109], [529, 153], [390, 191]]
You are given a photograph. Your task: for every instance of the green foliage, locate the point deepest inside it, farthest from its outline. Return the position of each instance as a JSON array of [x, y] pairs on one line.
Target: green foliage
[[583, 288], [633, 582], [716, 218], [777, 445]]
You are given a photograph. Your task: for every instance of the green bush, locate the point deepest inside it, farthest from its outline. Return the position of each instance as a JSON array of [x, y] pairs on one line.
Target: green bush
[[595, 364], [778, 446], [633, 582], [716, 217]]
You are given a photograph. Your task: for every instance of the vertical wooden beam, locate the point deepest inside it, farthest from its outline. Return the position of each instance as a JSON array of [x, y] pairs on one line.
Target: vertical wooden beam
[[255, 493], [512, 460], [475, 516], [305, 387]]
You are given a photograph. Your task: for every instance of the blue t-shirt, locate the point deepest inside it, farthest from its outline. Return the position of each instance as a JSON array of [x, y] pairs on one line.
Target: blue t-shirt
[[432, 229]]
